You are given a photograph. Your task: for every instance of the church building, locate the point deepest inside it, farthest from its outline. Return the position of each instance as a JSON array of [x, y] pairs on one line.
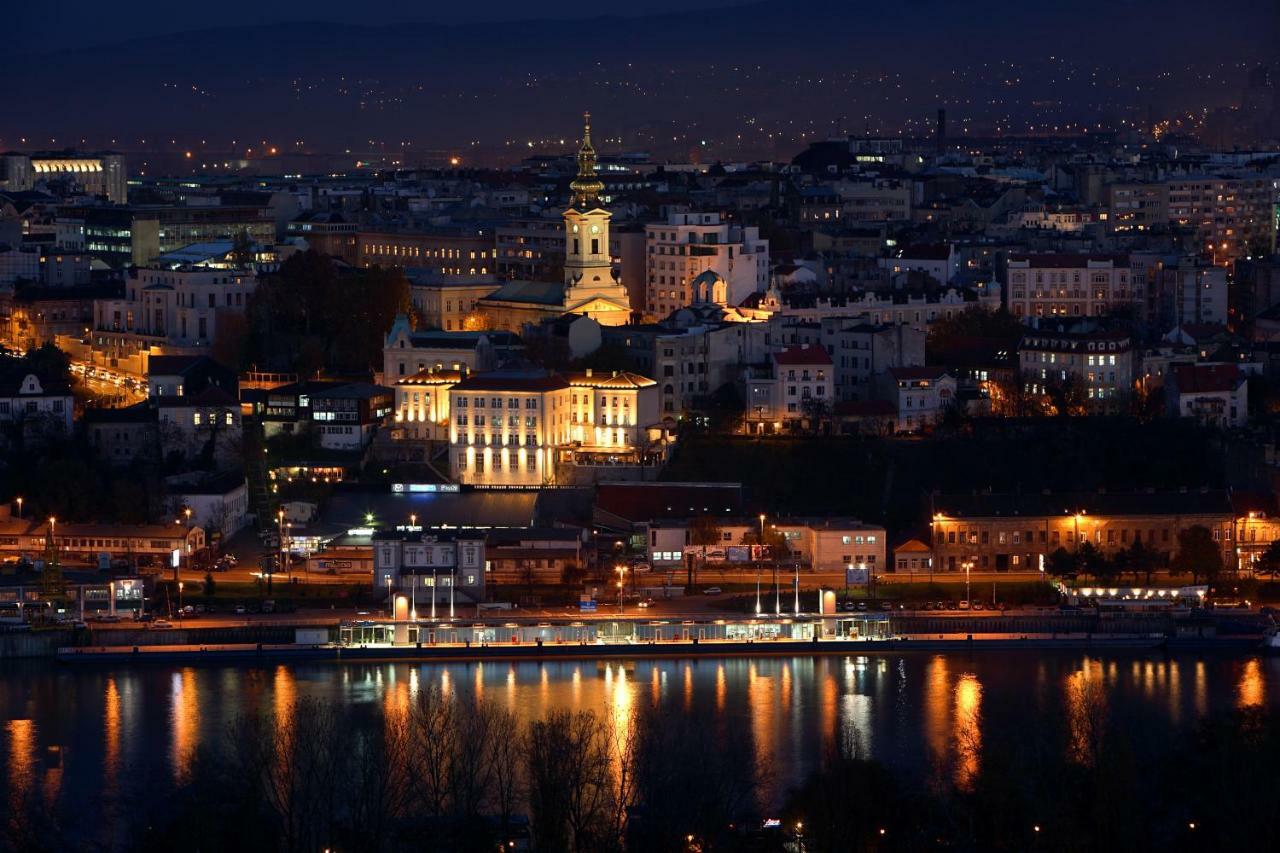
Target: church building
[[590, 287]]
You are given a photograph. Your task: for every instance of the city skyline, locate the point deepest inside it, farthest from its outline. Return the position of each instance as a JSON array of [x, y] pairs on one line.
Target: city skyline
[[508, 88], [689, 426]]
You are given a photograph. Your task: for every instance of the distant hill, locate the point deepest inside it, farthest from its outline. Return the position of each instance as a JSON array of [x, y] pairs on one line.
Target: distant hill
[[754, 69]]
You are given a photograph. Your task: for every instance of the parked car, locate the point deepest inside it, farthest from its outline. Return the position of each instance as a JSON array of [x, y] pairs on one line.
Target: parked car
[[240, 610], [162, 623], [847, 606], [646, 603], [712, 590], [962, 605]]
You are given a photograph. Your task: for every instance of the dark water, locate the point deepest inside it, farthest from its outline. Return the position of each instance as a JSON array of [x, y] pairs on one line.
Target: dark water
[[91, 742]]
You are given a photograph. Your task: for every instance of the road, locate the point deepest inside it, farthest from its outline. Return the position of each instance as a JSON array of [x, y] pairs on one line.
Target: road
[[118, 389], [692, 607]]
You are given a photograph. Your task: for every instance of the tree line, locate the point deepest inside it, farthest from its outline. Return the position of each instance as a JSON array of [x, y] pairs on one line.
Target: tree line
[[313, 315]]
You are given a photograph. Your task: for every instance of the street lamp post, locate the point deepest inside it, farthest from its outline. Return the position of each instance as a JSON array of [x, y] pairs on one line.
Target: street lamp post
[[19, 507], [760, 556], [391, 612], [180, 586], [777, 590], [968, 602], [453, 581], [622, 580], [797, 608], [433, 593]]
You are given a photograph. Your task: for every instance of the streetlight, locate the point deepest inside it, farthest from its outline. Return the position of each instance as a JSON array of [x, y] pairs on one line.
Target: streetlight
[[280, 537], [761, 556], [622, 577], [390, 603], [413, 520], [968, 603], [180, 586], [434, 587], [777, 590], [797, 565], [19, 507]]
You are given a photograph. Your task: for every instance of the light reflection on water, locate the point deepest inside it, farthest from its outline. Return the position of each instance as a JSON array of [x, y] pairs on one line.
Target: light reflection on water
[[85, 736]]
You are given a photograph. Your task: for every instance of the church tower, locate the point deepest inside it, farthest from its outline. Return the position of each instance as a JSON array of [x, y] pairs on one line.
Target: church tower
[[589, 283]]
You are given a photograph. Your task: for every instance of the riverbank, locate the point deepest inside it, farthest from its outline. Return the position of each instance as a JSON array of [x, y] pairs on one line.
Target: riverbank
[[453, 653]]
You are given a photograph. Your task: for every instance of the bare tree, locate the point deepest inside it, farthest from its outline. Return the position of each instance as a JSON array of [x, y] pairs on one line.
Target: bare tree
[[570, 795], [296, 770]]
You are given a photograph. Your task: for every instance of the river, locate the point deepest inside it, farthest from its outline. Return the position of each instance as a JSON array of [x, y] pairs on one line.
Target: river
[[90, 740]]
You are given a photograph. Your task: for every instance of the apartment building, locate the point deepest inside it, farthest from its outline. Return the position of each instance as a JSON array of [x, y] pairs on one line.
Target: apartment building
[[329, 233], [166, 311], [1214, 394], [1017, 532], [1099, 362], [346, 416], [1192, 291], [37, 405], [1232, 218], [688, 244], [921, 395], [1136, 207], [1071, 285], [444, 252], [794, 389], [817, 544], [879, 200]]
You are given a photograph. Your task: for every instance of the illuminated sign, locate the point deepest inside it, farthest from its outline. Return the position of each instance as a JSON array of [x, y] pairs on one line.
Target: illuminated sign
[[424, 488]]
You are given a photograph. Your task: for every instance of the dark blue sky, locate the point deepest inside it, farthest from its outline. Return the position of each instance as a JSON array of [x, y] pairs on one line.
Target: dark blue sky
[[75, 23]]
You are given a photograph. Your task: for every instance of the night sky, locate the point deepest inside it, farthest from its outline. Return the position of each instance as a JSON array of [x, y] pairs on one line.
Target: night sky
[[494, 81], [133, 18]]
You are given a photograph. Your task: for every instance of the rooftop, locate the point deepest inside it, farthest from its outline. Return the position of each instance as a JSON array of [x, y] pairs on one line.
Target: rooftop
[[812, 354], [1038, 504]]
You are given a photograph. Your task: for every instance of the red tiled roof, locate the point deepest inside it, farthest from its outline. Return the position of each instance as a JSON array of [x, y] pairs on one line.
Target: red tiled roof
[[1206, 378], [813, 354]]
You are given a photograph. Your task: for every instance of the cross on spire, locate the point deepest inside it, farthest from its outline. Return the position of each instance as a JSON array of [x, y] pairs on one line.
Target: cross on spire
[[586, 186]]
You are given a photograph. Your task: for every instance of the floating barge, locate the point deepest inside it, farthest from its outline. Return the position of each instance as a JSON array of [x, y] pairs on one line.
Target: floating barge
[[444, 640]]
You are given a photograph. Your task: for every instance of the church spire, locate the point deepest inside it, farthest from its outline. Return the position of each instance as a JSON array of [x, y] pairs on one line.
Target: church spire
[[586, 187]]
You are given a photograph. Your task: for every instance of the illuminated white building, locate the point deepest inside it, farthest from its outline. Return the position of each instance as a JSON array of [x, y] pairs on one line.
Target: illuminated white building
[[525, 429], [422, 404]]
